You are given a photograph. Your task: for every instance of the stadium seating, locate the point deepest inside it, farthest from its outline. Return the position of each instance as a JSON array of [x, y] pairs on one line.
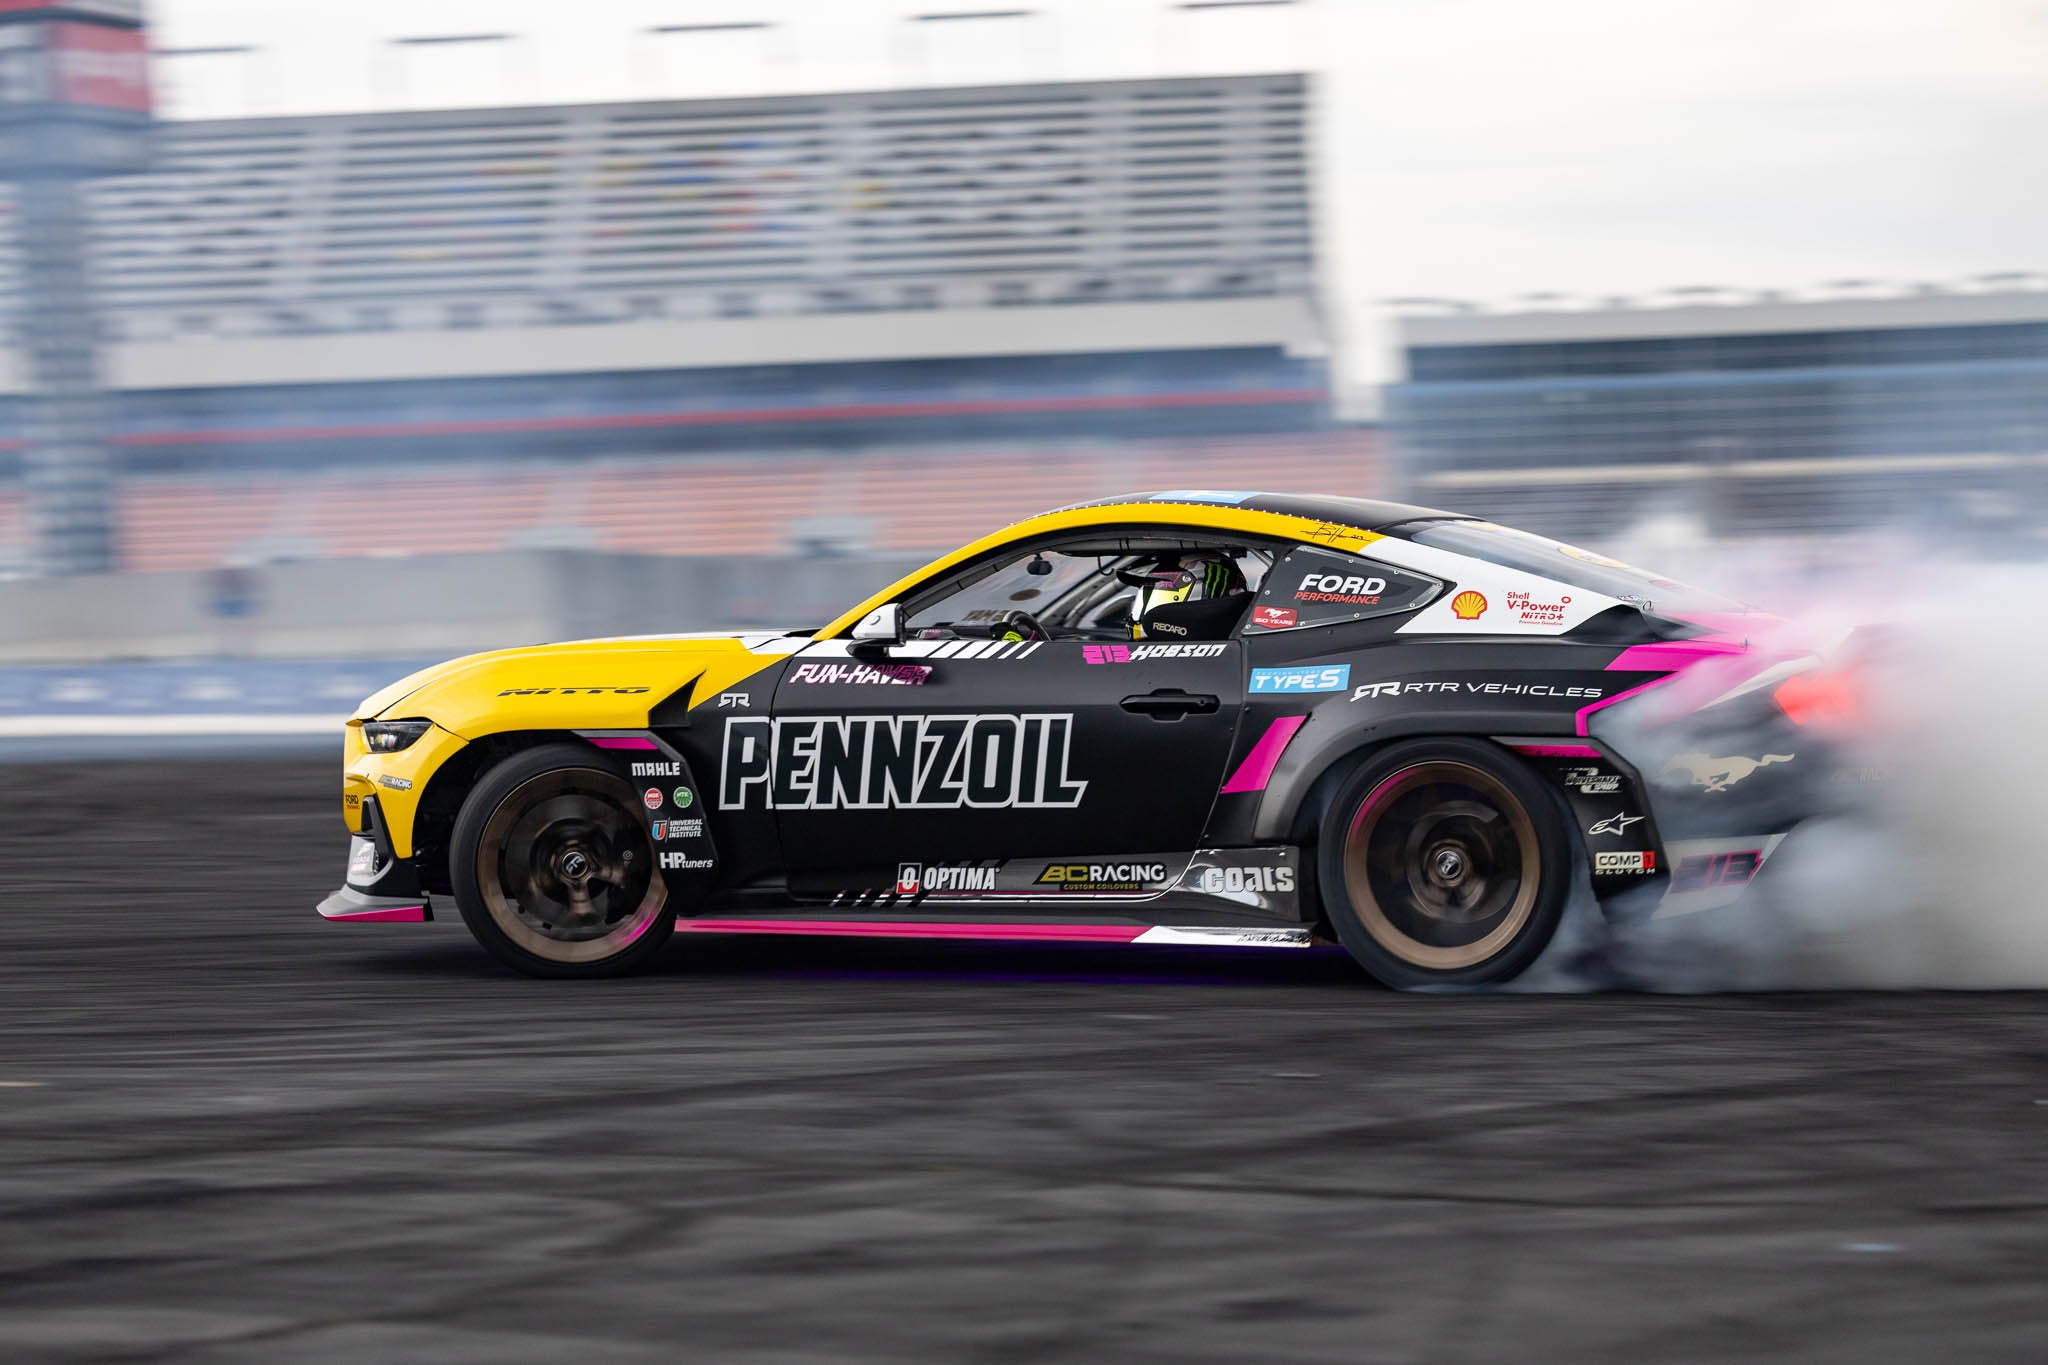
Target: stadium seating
[[918, 198], [722, 505]]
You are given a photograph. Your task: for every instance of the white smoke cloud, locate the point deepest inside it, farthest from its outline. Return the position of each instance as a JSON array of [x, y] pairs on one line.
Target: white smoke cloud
[[1937, 882]]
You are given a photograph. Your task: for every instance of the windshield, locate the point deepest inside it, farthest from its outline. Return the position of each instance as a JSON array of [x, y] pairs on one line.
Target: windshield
[[1512, 549]]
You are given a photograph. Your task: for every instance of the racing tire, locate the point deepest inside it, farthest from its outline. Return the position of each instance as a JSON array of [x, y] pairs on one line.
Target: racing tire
[[1444, 862], [554, 869]]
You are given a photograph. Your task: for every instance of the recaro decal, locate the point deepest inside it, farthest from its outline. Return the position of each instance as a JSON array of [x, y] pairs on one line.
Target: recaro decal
[[979, 762]]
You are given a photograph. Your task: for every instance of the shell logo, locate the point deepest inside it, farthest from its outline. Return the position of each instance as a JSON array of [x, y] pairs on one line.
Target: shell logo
[[1468, 605]]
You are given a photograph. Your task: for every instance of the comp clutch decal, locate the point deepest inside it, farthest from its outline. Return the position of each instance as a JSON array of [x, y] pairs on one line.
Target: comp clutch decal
[[985, 762]]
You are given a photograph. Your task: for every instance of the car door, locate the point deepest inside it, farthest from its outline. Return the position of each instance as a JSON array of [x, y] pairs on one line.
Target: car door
[[951, 751]]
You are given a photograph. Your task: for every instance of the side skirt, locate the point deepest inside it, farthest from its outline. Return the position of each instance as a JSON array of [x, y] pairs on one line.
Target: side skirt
[[1037, 931]]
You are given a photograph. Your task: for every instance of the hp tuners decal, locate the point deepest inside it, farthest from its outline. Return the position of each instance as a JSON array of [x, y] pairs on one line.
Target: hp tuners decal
[[998, 762], [1327, 678]]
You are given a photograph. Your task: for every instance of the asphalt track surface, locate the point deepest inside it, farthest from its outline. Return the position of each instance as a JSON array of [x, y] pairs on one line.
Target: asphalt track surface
[[231, 1132]]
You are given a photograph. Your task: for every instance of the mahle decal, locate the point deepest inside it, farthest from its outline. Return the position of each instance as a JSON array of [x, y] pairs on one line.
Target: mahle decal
[[899, 763]]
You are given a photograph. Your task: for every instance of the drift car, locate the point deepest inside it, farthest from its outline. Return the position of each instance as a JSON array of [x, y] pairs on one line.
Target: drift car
[[1188, 717]]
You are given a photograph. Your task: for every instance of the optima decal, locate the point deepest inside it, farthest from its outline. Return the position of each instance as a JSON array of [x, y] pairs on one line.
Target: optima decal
[[980, 762], [913, 879]]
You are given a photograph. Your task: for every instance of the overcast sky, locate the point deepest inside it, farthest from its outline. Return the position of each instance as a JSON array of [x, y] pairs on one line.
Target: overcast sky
[[1479, 149]]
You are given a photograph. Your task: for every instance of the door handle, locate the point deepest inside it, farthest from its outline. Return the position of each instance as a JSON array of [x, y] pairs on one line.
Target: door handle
[[1170, 703]]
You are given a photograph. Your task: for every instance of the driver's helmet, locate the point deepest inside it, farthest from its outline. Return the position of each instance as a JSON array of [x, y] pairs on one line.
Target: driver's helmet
[[1198, 576]]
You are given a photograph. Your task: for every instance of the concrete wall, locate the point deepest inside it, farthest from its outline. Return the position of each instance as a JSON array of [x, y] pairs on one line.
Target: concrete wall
[[424, 606]]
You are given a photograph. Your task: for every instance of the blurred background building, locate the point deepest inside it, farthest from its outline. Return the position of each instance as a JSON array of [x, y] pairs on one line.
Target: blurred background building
[[391, 384], [1865, 406]]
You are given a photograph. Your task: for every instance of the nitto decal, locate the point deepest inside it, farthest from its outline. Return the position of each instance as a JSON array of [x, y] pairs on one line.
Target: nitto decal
[[983, 762], [1276, 618], [1350, 589], [1329, 678], [570, 691], [1615, 824], [1130, 654], [1719, 774], [904, 675], [1624, 862], [1704, 872], [1102, 876], [1220, 881], [657, 770], [926, 878]]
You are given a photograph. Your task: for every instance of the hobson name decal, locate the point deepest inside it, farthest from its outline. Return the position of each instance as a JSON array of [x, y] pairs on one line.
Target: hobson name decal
[[998, 762]]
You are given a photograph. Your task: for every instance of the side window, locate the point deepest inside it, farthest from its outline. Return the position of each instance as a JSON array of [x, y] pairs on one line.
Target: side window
[[1010, 587], [1313, 587]]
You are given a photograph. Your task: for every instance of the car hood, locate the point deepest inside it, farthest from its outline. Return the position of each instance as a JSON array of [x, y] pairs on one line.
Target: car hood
[[586, 684]]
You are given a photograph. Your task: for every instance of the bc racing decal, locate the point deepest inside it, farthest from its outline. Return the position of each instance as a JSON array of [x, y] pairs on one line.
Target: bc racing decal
[[1100, 877], [982, 762]]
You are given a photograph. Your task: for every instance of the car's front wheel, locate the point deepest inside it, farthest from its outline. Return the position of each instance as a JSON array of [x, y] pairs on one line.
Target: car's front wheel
[[1444, 862], [553, 867]]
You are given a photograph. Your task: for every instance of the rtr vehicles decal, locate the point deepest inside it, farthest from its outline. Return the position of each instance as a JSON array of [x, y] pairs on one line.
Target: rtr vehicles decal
[[1179, 717]]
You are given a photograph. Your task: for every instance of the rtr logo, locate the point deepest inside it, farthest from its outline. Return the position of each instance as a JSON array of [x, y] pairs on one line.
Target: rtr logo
[[728, 701]]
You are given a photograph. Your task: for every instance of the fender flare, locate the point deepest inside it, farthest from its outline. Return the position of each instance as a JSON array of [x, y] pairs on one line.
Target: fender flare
[[1329, 743]]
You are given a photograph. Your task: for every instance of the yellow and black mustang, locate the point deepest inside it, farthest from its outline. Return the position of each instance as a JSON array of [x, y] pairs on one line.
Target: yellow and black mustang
[[1187, 717]]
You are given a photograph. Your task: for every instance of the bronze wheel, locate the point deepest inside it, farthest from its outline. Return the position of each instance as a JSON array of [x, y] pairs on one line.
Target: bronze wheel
[[1444, 861], [554, 868]]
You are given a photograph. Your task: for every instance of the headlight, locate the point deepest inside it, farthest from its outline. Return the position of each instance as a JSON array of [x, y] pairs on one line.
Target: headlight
[[389, 736]]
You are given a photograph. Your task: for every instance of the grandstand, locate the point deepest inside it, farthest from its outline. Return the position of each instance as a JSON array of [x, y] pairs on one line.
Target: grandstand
[[900, 501], [1767, 416], [628, 325]]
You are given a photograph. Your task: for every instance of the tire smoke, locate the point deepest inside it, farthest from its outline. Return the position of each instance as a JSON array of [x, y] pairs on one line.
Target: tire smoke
[[1935, 880]]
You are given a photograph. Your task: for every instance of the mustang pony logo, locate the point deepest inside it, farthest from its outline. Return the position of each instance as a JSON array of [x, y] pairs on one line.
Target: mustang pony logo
[[1719, 774]]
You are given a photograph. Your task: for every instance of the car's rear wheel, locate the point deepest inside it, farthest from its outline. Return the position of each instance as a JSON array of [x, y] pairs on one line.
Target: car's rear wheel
[[553, 867], [1444, 862]]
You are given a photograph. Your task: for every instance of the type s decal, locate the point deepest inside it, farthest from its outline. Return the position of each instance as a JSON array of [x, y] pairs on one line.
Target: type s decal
[[987, 762]]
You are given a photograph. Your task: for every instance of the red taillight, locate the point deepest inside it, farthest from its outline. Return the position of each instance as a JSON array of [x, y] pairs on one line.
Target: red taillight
[[1831, 700]]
